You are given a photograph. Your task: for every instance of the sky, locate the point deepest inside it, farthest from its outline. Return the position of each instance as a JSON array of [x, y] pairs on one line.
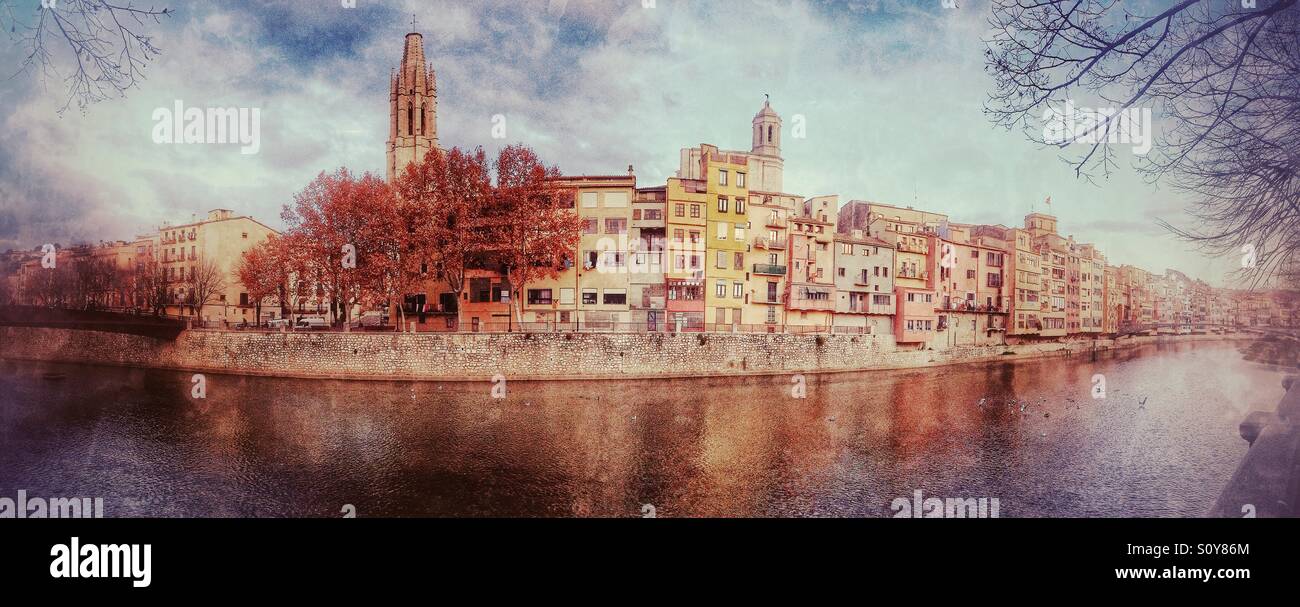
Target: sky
[[891, 92]]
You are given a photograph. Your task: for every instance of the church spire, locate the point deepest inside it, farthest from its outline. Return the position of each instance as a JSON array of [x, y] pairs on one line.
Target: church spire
[[413, 107], [767, 130]]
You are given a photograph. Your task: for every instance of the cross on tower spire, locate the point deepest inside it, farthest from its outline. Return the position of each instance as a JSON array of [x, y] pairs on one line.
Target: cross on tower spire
[[413, 21]]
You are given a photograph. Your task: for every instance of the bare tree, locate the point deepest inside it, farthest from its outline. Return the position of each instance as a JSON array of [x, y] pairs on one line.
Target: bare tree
[[206, 284], [1225, 78], [99, 48], [151, 286]]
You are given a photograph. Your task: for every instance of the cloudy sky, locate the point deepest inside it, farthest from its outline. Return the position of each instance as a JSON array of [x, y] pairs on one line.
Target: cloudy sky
[[891, 91]]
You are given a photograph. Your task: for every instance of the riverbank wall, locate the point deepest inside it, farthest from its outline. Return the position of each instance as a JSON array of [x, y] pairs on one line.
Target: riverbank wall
[[517, 356]]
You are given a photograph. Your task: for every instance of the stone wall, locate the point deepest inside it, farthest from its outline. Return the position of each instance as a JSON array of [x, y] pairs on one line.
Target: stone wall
[[516, 356]]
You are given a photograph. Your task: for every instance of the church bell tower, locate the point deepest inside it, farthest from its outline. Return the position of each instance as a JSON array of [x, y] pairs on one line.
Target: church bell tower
[[413, 108]]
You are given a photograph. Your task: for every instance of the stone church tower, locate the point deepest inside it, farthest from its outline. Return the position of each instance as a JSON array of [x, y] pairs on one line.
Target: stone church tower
[[413, 108]]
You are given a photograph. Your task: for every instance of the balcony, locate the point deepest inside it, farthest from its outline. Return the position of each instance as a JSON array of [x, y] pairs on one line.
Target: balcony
[[764, 242], [810, 297], [775, 222], [911, 248], [769, 269]]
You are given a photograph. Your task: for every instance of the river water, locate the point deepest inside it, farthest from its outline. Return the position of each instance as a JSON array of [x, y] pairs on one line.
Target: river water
[[1163, 441]]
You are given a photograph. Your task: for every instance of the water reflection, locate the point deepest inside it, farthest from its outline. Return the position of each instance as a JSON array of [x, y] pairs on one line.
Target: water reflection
[[1162, 443]]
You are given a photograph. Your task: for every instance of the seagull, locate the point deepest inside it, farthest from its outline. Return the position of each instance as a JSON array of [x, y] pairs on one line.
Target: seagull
[[1142, 405]]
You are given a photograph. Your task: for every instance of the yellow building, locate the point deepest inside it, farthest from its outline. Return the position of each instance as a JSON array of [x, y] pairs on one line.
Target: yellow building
[[605, 202], [726, 237], [221, 238]]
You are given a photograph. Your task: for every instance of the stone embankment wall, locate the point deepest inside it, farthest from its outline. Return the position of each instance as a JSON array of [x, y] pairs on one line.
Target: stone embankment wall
[[446, 357]]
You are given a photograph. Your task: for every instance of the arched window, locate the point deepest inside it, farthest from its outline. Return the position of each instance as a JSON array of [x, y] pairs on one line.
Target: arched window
[[424, 128], [410, 118], [769, 133]]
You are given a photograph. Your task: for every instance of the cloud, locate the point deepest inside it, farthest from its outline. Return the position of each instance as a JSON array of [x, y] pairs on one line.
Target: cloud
[[891, 92]]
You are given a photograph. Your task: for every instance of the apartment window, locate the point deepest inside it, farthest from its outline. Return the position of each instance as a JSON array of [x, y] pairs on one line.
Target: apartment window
[[839, 272], [970, 274], [636, 214], [696, 261], [722, 204], [695, 237], [773, 259], [740, 180], [566, 297], [739, 261], [994, 279], [679, 235], [615, 200], [771, 314], [740, 206], [589, 200], [740, 234], [592, 226], [695, 211], [720, 289], [821, 246], [738, 290], [679, 262], [679, 210], [879, 300], [722, 177], [539, 297], [722, 259], [722, 231], [615, 296], [614, 259], [589, 297], [615, 225]]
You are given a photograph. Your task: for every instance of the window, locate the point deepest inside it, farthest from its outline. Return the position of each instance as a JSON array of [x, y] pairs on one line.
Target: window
[[739, 261], [722, 176], [614, 259], [539, 297], [615, 225], [720, 289], [679, 262], [679, 209], [738, 290], [839, 272], [566, 297], [740, 180], [589, 297], [846, 249], [695, 237], [696, 261], [739, 234], [722, 204], [740, 206], [591, 227], [695, 211], [615, 200], [679, 235], [722, 231], [615, 296], [722, 259], [589, 200], [970, 274]]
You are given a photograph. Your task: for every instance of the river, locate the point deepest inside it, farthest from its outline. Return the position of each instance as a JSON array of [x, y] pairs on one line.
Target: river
[[1163, 441]]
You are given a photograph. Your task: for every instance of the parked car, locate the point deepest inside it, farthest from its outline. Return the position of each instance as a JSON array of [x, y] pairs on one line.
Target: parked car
[[278, 323], [312, 323]]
